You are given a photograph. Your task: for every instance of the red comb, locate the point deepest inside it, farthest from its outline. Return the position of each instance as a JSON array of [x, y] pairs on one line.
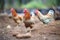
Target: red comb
[[12, 9], [25, 10], [36, 11]]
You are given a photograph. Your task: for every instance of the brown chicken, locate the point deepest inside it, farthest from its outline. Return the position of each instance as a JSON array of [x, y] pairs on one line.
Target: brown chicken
[[15, 16], [28, 19]]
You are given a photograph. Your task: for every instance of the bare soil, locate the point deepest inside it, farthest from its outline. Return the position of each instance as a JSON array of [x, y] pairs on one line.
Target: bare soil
[[41, 31]]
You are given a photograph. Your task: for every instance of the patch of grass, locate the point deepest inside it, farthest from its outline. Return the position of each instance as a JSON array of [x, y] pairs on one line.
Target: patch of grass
[[34, 4]]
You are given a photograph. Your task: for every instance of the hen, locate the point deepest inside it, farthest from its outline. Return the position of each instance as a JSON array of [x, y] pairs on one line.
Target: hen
[[45, 18], [15, 16], [28, 19]]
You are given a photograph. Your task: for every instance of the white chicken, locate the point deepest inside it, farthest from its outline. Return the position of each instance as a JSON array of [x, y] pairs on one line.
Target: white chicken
[[45, 18]]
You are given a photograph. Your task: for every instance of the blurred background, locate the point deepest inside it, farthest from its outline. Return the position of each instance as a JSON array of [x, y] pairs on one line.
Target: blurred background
[[20, 4], [40, 31]]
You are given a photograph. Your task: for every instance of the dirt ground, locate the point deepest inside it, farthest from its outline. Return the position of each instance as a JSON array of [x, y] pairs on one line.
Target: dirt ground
[[41, 32]]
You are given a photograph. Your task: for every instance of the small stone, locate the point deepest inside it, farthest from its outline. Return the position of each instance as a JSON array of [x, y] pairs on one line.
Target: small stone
[[9, 26]]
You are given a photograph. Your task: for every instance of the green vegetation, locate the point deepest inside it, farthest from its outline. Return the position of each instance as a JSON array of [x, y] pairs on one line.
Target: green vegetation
[[41, 4], [34, 4], [29, 3]]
